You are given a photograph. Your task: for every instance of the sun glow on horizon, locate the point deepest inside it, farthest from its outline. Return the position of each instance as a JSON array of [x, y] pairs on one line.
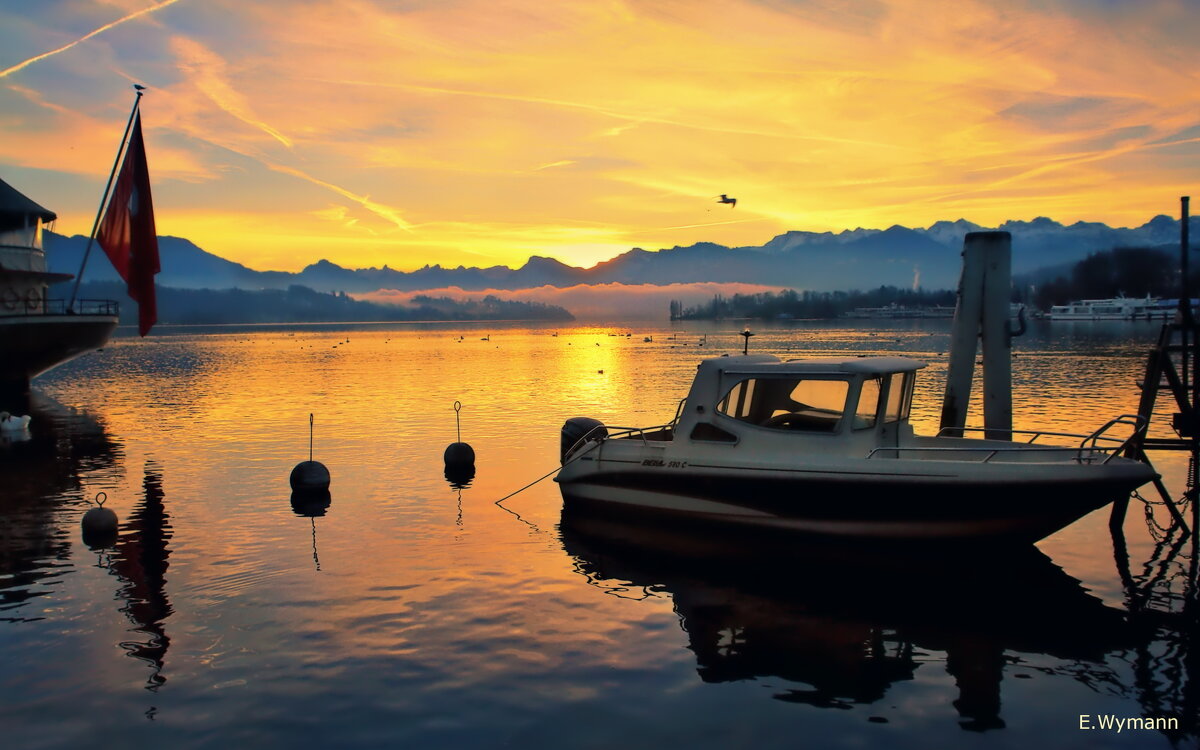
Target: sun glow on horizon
[[481, 133]]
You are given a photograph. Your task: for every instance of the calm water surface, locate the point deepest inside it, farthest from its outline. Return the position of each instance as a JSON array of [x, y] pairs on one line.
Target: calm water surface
[[412, 613]]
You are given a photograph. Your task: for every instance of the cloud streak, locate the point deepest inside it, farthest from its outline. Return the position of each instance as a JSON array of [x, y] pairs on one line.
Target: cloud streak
[[95, 32]]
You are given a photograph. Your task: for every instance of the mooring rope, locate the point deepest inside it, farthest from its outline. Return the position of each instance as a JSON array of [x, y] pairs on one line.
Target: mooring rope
[[551, 473]]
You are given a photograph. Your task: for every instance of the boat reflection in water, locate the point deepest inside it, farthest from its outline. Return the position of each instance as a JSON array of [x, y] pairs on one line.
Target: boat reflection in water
[[66, 452], [847, 625], [51, 459]]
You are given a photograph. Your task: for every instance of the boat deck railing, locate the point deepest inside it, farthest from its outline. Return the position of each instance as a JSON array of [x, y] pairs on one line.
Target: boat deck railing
[[63, 307], [600, 433], [1090, 445], [1086, 452]]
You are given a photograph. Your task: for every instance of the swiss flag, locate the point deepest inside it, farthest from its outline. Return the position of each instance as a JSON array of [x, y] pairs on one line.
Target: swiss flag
[[127, 231]]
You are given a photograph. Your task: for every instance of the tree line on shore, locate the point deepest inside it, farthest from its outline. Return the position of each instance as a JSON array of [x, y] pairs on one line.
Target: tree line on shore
[[1130, 272], [789, 303], [299, 304]]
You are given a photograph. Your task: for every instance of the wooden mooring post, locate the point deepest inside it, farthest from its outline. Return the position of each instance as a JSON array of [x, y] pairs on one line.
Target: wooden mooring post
[[982, 313]]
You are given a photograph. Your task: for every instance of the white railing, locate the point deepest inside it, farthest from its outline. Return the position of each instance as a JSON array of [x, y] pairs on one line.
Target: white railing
[[1088, 444]]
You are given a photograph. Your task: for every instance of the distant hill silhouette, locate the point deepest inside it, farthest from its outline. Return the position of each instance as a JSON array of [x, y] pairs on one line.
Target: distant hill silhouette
[[299, 304], [820, 261]]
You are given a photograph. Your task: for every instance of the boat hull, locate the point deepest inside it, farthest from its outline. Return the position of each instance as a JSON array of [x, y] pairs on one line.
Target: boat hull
[[33, 344], [898, 504]]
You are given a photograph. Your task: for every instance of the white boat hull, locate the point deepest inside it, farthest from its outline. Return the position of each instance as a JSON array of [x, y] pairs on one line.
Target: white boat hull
[[879, 499]]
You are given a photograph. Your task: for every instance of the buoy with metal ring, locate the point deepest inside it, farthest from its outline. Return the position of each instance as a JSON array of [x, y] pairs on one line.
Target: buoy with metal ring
[[32, 299], [310, 476], [459, 456], [99, 525]]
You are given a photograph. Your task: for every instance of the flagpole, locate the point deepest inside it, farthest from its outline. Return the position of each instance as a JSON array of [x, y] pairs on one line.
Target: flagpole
[[107, 188]]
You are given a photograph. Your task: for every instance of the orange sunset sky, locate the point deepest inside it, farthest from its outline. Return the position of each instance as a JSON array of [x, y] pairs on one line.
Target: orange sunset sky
[[477, 132]]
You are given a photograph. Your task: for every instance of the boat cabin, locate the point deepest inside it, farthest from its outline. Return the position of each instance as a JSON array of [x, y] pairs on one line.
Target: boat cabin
[[759, 398], [23, 277]]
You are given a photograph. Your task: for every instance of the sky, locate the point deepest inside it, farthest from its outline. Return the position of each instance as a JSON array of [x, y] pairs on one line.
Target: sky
[[481, 132]]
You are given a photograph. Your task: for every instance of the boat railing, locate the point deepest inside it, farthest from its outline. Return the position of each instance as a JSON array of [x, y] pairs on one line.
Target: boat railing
[[638, 432], [678, 413], [601, 433], [63, 307], [1089, 444]]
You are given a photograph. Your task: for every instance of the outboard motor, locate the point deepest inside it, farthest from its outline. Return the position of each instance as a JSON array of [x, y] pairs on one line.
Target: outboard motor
[[574, 429]]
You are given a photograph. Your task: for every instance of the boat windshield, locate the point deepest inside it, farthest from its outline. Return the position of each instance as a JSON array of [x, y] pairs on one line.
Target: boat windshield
[[868, 403], [787, 403]]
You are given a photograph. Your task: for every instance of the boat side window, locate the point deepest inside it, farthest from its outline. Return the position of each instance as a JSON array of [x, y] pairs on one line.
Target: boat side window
[[868, 403], [898, 397], [787, 403]]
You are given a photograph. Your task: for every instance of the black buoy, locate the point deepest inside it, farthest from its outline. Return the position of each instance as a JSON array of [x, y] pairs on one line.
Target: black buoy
[[459, 456], [100, 525], [310, 476]]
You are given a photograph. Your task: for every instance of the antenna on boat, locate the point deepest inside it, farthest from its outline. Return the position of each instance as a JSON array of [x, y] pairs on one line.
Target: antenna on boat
[[107, 188], [746, 334]]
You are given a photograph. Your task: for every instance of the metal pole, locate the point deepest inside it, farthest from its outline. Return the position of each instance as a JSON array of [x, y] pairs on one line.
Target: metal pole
[[1184, 293], [1189, 352], [107, 188], [1185, 311]]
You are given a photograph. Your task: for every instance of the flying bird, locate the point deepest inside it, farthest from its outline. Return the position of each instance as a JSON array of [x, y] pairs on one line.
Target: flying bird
[[726, 199]]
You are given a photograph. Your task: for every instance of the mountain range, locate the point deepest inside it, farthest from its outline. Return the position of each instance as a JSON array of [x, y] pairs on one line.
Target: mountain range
[[819, 261]]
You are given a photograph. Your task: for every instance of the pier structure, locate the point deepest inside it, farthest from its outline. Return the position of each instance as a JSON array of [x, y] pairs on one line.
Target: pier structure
[[1173, 366]]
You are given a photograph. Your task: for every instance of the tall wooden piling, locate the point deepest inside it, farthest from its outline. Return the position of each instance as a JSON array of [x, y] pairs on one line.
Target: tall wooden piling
[[997, 357], [963, 335], [983, 304]]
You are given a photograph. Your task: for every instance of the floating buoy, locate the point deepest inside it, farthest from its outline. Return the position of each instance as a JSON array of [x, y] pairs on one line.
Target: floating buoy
[[459, 456], [310, 476], [99, 525]]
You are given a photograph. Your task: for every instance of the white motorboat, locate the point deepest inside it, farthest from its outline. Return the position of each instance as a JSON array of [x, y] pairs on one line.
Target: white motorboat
[[824, 447]]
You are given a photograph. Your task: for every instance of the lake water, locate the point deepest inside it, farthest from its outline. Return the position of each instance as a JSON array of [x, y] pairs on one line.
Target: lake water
[[410, 613]]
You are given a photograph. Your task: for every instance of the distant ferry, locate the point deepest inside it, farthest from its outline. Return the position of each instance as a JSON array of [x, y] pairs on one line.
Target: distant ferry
[[1119, 308], [899, 311]]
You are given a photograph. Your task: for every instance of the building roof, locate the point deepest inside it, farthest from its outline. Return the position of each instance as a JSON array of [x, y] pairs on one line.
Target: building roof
[[15, 203]]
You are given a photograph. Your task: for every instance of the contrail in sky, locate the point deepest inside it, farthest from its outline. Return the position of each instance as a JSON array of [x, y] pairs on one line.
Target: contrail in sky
[[385, 212], [713, 224], [22, 65]]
